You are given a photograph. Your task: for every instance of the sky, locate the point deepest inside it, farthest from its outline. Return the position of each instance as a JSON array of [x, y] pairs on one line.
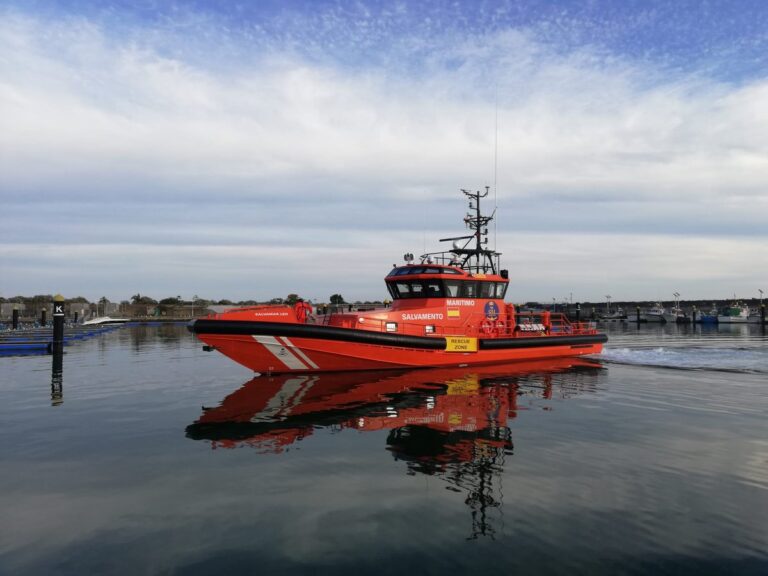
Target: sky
[[248, 150]]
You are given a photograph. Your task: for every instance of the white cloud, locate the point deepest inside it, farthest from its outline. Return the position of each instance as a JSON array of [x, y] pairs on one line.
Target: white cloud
[[124, 137]]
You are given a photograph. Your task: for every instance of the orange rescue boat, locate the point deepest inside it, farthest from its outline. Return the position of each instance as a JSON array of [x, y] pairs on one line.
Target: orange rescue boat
[[447, 311]]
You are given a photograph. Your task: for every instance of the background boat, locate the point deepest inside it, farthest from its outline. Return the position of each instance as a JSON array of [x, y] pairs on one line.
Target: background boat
[[736, 313], [709, 317], [614, 316], [675, 316], [655, 313]]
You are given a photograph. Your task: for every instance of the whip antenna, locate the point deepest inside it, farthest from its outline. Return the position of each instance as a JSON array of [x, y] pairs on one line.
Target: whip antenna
[[495, 163]]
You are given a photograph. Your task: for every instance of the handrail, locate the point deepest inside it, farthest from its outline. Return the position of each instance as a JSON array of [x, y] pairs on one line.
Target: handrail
[[474, 325]]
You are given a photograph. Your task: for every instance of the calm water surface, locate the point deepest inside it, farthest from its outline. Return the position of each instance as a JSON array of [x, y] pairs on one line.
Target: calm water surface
[[147, 455]]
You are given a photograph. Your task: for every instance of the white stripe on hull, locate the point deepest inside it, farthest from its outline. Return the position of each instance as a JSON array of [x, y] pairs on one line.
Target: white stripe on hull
[[281, 352], [299, 352]]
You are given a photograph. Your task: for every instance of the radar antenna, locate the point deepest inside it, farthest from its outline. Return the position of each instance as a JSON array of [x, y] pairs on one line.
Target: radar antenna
[[473, 255]]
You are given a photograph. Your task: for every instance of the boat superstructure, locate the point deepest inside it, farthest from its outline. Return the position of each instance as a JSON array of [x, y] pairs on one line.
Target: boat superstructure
[[614, 315], [709, 317], [675, 315], [447, 310], [736, 313], [655, 313]]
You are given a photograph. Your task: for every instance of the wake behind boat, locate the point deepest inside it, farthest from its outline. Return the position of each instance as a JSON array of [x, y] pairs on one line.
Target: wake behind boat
[[447, 311], [101, 320]]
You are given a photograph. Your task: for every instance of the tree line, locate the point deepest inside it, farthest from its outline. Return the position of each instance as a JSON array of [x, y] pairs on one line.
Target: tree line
[[139, 298]]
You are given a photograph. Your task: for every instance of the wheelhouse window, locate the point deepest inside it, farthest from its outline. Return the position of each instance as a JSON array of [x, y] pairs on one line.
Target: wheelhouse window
[[434, 288], [439, 288], [452, 288], [401, 289], [408, 271], [468, 290], [416, 289]]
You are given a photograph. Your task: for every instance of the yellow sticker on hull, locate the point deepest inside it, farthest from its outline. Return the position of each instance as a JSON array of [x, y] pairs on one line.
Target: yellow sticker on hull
[[460, 344]]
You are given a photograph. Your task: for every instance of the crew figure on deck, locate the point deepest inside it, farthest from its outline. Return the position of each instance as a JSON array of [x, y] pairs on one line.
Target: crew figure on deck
[[303, 311]]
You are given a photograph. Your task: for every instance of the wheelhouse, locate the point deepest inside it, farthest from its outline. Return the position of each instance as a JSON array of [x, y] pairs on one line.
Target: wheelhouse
[[419, 281]]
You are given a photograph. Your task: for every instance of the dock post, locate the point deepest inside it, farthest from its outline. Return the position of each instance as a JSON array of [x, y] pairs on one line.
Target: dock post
[[15, 321], [57, 349], [578, 312], [592, 315], [693, 315], [637, 314], [42, 317], [75, 320], [58, 324]]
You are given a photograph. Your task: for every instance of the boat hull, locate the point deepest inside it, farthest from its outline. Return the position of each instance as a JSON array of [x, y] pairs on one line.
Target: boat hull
[[732, 320], [274, 347]]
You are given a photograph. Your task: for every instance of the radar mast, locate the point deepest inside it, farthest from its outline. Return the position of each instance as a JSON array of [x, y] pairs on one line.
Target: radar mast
[[471, 252]]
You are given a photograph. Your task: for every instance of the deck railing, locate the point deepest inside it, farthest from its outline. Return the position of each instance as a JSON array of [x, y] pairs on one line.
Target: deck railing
[[527, 324]]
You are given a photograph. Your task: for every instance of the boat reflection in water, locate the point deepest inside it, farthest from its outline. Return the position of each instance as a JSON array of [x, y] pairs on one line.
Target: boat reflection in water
[[448, 423]]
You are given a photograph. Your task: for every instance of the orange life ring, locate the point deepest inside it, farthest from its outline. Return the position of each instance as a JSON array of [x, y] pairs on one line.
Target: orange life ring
[[500, 327], [487, 327]]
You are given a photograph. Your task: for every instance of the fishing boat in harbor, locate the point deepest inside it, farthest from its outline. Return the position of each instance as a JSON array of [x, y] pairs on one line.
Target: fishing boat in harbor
[[736, 313], [655, 313], [448, 310], [675, 315], [709, 317], [615, 315]]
